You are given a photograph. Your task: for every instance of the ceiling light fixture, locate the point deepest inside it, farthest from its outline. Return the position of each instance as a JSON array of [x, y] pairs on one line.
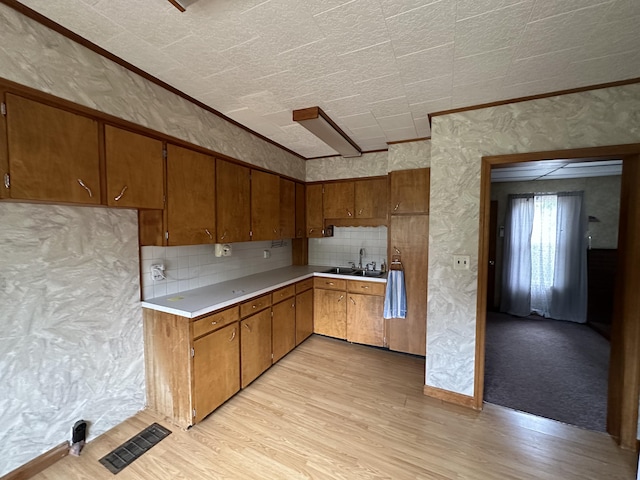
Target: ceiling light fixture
[[318, 123]]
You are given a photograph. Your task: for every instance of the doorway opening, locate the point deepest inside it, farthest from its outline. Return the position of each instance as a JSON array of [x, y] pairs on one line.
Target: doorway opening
[[623, 384], [541, 356]]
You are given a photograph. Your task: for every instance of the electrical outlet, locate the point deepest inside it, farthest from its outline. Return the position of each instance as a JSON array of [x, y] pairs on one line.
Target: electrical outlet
[[226, 250], [461, 262]]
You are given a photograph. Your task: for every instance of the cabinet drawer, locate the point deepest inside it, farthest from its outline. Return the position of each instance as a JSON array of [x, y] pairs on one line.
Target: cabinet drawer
[[214, 321], [255, 305], [283, 293], [367, 288], [304, 285], [329, 283]]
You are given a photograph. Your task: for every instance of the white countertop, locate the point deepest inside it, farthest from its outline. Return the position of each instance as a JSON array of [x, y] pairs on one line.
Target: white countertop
[[203, 300]]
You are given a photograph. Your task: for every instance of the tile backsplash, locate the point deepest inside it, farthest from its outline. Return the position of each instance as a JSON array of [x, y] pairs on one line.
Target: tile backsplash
[[345, 245], [196, 266]]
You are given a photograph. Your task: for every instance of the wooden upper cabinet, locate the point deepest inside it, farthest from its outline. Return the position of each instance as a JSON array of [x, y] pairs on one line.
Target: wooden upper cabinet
[[287, 208], [265, 205], [191, 197], [53, 154], [233, 205], [339, 200], [409, 191], [371, 198], [315, 221], [135, 169], [301, 207]]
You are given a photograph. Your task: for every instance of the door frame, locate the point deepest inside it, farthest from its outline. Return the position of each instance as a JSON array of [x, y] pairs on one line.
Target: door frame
[[622, 411]]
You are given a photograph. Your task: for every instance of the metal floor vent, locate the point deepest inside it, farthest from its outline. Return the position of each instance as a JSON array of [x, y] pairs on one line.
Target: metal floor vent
[[133, 448]]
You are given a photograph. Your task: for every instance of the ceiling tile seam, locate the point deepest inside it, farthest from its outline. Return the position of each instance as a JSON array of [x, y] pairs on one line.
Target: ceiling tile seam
[[428, 80], [413, 9], [254, 7], [570, 12], [424, 50], [482, 53], [364, 48], [300, 46], [600, 22], [513, 5], [333, 8]]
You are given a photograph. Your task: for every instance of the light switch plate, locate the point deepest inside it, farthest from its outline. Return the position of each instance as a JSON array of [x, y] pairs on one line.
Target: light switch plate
[[461, 262]]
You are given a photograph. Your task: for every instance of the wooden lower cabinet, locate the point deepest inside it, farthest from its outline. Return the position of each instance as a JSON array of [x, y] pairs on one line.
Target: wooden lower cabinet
[[351, 310], [330, 313], [216, 370], [255, 346], [192, 366], [304, 314], [283, 328], [365, 322]]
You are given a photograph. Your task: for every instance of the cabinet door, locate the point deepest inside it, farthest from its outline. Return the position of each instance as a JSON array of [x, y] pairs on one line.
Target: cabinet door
[[265, 206], [287, 209], [330, 313], [284, 328], [365, 323], [315, 221], [339, 200], [53, 154], [304, 316], [216, 369], [409, 191], [371, 198], [410, 235], [255, 341], [233, 206], [301, 206], [191, 197], [135, 169]]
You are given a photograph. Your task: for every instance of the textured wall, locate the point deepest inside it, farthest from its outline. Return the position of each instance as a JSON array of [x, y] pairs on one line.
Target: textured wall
[[32, 55], [458, 142], [405, 156], [401, 156], [70, 325], [196, 266], [601, 198]]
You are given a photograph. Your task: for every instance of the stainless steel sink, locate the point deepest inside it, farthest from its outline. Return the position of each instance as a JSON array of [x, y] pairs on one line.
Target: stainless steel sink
[[367, 273], [340, 270], [354, 272]]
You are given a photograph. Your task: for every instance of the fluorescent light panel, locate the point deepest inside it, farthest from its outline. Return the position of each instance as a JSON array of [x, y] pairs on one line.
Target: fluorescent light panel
[[318, 123]]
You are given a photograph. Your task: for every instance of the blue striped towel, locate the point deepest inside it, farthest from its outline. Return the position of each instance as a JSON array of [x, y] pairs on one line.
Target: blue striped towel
[[395, 299]]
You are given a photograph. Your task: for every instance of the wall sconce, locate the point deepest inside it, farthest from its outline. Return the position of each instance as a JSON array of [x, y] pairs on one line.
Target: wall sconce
[[318, 123]]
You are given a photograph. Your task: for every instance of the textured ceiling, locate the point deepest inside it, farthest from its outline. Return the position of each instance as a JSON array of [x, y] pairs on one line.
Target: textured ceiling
[[377, 67]]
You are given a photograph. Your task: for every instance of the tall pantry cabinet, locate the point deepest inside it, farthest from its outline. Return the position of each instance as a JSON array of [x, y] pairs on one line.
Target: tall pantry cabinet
[[409, 238]]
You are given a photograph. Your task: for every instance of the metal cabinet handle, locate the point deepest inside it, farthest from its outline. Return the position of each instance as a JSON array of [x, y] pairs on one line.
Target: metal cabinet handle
[[311, 230], [293, 305], [329, 283], [341, 297], [396, 250], [275, 230], [352, 300], [85, 187], [396, 207], [246, 325], [233, 335], [118, 197], [208, 233], [349, 214], [360, 211], [223, 235], [7, 182], [214, 323], [364, 286]]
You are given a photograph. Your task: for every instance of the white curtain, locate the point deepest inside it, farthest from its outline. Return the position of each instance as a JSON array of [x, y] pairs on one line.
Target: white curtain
[[543, 252], [545, 256], [516, 270], [569, 291]]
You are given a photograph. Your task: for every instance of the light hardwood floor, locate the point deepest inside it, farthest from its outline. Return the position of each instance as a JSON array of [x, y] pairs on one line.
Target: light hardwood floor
[[332, 410]]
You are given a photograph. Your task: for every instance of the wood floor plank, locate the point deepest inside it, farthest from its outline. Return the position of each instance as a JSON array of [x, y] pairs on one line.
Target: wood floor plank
[[332, 410]]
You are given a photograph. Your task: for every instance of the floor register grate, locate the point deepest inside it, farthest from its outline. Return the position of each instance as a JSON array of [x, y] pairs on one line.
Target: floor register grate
[[133, 448]]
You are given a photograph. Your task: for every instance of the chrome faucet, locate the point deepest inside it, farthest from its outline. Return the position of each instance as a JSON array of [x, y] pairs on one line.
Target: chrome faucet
[[362, 254]]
